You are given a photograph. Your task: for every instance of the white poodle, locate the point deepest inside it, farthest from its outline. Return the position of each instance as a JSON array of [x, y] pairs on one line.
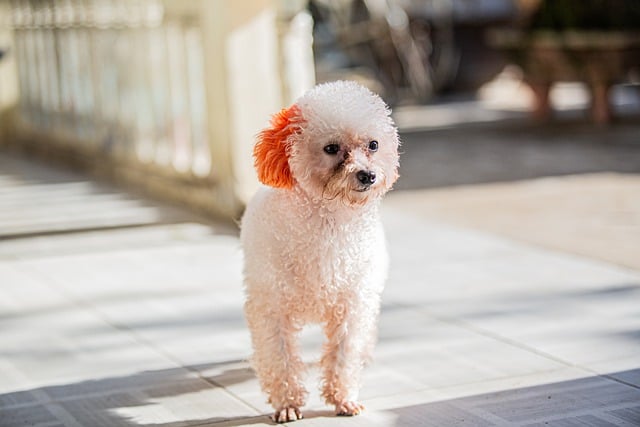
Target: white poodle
[[314, 247]]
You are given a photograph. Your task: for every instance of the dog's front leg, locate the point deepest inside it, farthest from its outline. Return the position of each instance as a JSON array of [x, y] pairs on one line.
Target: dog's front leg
[[277, 361], [351, 333]]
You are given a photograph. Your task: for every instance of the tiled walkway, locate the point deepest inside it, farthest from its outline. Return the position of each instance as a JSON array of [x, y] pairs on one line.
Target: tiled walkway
[[116, 311]]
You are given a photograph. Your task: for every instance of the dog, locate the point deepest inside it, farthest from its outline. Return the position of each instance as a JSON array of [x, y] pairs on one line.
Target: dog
[[313, 242]]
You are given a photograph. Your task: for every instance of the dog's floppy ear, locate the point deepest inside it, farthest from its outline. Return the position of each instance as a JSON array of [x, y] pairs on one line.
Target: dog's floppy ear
[[271, 151]]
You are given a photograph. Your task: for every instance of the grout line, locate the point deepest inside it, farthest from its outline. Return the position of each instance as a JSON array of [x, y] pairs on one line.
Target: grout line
[[244, 420], [618, 380], [80, 230], [218, 385]]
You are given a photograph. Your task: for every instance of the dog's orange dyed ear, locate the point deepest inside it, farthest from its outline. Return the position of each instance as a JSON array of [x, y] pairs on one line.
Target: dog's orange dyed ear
[[271, 151]]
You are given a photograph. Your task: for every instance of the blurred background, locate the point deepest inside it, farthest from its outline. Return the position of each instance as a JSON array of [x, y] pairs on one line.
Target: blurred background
[[514, 229], [166, 96]]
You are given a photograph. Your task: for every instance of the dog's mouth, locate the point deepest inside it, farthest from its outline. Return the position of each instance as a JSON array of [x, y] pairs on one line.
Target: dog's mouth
[[363, 189]]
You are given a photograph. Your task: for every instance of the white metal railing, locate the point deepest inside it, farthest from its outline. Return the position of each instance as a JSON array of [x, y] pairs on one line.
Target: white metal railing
[[169, 89], [119, 74]]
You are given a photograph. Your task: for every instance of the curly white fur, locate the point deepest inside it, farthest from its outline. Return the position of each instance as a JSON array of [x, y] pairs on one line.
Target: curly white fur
[[315, 252]]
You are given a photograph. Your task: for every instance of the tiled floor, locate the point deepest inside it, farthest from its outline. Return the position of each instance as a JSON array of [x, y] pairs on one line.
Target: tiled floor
[[116, 311]]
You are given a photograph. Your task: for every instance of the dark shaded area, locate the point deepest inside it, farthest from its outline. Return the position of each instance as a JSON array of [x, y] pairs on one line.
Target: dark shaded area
[[515, 150], [544, 405]]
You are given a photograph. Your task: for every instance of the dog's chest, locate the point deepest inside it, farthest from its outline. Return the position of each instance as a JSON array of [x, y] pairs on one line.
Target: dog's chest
[[335, 253]]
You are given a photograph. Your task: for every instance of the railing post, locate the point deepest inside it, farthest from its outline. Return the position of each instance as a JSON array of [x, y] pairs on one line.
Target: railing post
[[8, 72]]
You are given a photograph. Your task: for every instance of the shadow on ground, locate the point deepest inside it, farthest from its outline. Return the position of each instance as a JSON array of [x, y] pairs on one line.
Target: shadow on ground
[[149, 399], [592, 401], [515, 150]]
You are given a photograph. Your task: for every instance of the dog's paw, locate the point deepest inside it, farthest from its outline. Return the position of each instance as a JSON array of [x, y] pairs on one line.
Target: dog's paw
[[286, 415], [349, 408]]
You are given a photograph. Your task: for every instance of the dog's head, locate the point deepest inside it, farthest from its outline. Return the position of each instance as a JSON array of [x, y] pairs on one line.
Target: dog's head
[[337, 142]]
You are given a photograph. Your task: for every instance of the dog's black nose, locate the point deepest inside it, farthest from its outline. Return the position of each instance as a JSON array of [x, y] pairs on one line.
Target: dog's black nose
[[366, 177]]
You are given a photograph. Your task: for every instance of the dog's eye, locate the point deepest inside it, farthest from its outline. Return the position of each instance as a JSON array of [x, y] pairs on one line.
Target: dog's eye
[[373, 145], [331, 149]]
